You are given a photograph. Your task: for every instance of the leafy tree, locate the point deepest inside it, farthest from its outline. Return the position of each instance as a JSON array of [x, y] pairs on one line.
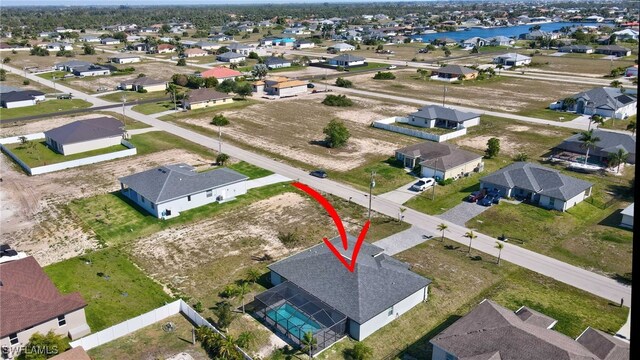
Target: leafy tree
[[181, 62], [259, 71], [362, 351], [521, 157], [38, 51], [87, 49], [6, 60], [447, 52], [499, 246], [246, 338], [210, 82], [341, 82], [475, 50], [616, 83], [220, 120], [243, 89], [380, 48], [253, 55], [632, 127], [568, 103], [442, 227], [3, 75], [588, 140], [222, 50], [226, 86], [180, 79], [255, 30], [42, 347], [470, 235], [618, 158], [223, 311], [195, 82], [221, 159], [308, 343], [493, 148], [336, 133], [337, 100]]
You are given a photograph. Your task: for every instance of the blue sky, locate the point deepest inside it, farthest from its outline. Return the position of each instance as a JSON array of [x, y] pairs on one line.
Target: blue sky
[[185, 2]]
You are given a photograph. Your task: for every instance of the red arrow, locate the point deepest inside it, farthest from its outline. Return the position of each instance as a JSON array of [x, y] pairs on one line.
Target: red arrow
[[338, 222]]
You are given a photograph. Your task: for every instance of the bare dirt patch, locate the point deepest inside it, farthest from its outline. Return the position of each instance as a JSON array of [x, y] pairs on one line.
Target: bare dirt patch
[[480, 143], [34, 216]]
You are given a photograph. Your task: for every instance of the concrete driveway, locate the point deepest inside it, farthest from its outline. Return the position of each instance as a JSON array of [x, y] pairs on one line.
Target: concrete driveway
[[403, 240], [463, 212], [402, 194], [266, 180]]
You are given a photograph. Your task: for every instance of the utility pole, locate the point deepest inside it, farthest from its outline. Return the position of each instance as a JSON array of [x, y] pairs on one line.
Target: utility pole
[[124, 99], [435, 176], [219, 139], [175, 104], [372, 184], [444, 94]]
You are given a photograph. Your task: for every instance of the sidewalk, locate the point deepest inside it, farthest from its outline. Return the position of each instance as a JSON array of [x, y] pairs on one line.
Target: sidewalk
[[625, 330], [403, 240]]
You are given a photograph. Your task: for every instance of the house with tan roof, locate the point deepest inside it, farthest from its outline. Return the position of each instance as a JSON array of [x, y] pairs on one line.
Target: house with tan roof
[[144, 83], [202, 98], [30, 303], [280, 86], [166, 48], [195, 52], [454, 73], [439, 160]]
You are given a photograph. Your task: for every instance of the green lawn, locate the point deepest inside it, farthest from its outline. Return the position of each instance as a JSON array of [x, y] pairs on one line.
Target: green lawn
[[114, 288], [460, 283], [285, 69], [252, 171], [159, 140], [618, 124], [37, 153], [155, 107], [389, 175], [237, 104], [45, 107], [115, 219], [50, 75], [368, 66], [549, 114], [133, 96]]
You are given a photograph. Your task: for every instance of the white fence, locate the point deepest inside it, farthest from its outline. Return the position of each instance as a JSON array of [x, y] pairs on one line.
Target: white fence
[[144, 320], [387, 124], [65, 164]]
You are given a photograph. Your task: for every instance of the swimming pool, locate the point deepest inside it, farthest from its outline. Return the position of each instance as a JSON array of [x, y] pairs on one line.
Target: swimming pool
[[293, 320]]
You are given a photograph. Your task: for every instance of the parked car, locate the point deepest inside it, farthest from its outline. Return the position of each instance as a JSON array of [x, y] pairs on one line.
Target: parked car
[[319, 173], [310, 86], [486, 201], [495, 195], [391, 67], [475, 196], [65, 96], [423, 184]]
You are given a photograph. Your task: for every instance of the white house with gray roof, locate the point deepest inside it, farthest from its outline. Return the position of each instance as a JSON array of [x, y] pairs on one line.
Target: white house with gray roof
[[168, 190], [443, 117], [604, 101], [315, 285], [512, 59], [627, 217], [85, 135], [538, 185]]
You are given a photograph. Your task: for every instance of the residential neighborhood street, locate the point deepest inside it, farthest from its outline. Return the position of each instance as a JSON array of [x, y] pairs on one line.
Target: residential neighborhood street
[[583, 279]]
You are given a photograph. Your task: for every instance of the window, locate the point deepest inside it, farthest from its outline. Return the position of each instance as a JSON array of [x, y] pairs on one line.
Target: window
[[450, 357], [13, 339], [390, 311], [209, 193], [189, 198], [142, 199], [61, 320], [552, 202], [152, 206]]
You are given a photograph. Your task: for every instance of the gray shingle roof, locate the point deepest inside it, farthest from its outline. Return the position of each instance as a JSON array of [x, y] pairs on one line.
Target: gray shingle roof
[[273, 60], [144, 81], [533, 317], [7, 88], [170, 182], [73, 63], [490, 328], [447, 156], [21, 95], [230, 55], [455, 70], [377, 283], [86, 130], [609, 142], [206, 94], [538, 179], [603, 345], [606, 97], [348, 58], [443, 113]]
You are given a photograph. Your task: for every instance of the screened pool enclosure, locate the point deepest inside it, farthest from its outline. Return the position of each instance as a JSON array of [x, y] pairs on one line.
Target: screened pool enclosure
[[290, 310]]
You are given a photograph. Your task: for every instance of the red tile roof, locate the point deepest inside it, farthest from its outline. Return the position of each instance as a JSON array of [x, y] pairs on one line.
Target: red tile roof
[[220, 72], [28, 297], [165, 46]]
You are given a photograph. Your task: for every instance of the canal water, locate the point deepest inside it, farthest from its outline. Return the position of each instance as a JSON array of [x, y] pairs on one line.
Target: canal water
[[511, 31]]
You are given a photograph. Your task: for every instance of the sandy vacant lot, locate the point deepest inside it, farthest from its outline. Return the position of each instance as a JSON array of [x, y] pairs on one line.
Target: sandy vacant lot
[[34, 216], [505, 94], [292, 128]]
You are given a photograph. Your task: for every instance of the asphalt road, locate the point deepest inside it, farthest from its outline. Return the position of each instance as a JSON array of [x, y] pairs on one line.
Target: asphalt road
[[580, 278]]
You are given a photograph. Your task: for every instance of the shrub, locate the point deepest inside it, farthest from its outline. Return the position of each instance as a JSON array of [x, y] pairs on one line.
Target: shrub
[[340, 68], [336, 133], [26, 82], [493, 148], [198, 307], [182, 62], [289, 239], [337, 100], [384, 76], [340, 82], [521, 157], [361, 351], [219, 120], [142, 91], [445, 182], [221, 159]]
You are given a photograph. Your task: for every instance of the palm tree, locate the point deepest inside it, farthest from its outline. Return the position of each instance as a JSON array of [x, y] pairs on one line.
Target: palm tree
[[245, 338], [596, 119], [588, 141], [227, 349], [308, 343], [442, 227], [171, 90], [499, 67], [471, 236], [253, 275], [243, 290], [568, 103], [618, 158], [233, 66], [632, 127], [499, 246], [616, 83]]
